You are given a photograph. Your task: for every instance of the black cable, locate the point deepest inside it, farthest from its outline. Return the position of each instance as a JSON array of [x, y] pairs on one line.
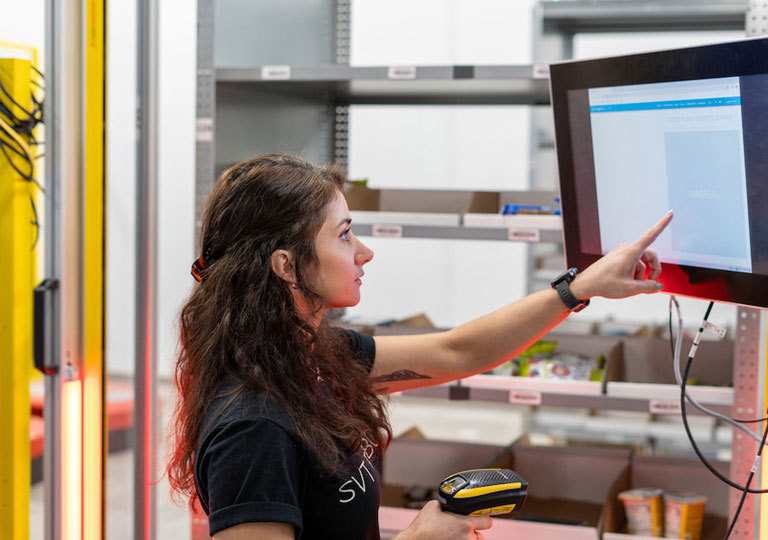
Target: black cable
[[24, 127], [26, 176], [695, 447], [755, 421], [9, 96], [749, 481], [35, 222], [672, 348]]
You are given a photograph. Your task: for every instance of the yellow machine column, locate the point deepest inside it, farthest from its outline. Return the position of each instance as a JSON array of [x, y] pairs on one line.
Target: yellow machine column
[[17, 237]]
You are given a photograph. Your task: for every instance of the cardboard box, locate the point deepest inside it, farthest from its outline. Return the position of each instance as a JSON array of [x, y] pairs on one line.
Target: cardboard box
[[649, 360], [442, 201], [591, 346], [422, 200], [676, 474], [571, 490]]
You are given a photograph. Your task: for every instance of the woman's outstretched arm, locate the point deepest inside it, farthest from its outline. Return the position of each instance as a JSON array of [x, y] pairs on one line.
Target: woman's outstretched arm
[[405, 362]]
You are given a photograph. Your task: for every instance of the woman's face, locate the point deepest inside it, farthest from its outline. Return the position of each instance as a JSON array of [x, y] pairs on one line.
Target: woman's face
[[341, 256]]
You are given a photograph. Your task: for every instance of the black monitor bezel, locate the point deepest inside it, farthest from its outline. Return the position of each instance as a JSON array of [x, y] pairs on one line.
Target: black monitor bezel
[[731, 59]]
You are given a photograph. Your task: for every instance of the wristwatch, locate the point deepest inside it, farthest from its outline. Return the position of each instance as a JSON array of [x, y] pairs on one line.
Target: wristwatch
[[562, 285]]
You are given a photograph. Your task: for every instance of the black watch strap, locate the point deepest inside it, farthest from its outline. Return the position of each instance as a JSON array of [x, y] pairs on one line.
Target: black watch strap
[[562, 285]]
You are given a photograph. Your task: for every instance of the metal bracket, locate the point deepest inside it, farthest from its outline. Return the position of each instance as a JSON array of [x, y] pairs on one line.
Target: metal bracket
[[44, 298]]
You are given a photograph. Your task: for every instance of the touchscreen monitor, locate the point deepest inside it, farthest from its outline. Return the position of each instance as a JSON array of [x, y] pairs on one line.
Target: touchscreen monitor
[[686, 130]]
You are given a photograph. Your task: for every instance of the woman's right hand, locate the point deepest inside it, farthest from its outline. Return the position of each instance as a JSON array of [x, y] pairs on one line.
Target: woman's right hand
[[432, 523]]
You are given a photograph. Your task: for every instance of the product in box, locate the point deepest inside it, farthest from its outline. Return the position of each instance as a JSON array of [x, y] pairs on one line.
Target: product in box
[[563, 366], [683, 514], [643, 508], [541, 362]]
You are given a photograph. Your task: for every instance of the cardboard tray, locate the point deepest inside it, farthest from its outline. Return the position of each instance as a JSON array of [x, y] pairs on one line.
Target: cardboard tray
[[591, 346], [676, 474], [481, 208], [570, 495], [649, 360]]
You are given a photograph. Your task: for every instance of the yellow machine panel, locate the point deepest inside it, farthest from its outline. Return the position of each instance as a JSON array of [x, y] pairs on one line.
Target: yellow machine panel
[[17, 236]]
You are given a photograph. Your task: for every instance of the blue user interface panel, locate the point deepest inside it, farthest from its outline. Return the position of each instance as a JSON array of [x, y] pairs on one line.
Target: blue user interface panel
[[675, 145]]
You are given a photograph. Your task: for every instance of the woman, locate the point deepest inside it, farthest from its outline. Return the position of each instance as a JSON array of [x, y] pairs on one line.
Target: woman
[[278, 429]]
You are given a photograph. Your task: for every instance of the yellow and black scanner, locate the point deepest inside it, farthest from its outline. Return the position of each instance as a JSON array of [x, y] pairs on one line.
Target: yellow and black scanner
[[483, 492]]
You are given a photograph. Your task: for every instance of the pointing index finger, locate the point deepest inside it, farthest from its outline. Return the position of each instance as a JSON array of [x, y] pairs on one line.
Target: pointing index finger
[[651, 234]]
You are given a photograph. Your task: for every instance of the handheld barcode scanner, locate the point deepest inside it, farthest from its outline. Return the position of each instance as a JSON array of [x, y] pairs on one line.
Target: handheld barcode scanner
[[483, 492]]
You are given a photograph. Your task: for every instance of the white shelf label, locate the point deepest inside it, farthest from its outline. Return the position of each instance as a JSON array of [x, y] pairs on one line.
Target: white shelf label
[[541, 71], [276, 73], [387, 231], [401, 72], [523, 235], [204, 130], [525, 398], [663, 407], [714, 329]]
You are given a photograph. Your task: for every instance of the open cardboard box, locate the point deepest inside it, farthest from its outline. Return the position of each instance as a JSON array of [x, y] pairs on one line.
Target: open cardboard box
[[675, 474], [648, 361], [611, 347], [571, 490], [448, 208], [591, 346], [422, 200]]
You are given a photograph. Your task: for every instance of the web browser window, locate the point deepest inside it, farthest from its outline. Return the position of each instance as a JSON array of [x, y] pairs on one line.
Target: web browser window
[[673, 145]]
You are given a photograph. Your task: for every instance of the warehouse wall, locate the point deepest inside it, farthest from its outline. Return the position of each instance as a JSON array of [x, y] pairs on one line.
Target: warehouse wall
[[176, 174], [467, 148], [454, 280], [448, 147]]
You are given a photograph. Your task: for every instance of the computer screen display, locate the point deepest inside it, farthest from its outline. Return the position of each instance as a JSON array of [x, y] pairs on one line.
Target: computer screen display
[[685, 130]]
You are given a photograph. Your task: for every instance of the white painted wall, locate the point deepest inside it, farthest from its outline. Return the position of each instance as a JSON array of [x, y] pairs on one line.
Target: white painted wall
[[121, 188], [420, 147], [448, 147], [429, 32], [24, 23], [176, 169], [176, 173]]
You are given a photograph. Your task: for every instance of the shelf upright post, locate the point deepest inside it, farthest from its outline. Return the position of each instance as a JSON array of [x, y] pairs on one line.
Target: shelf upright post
[[58, 67], [146, 272], [340, 111], [748, 390], [206, 106]]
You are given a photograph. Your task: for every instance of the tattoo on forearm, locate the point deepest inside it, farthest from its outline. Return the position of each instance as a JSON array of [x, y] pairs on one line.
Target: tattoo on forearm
[[402, 375]]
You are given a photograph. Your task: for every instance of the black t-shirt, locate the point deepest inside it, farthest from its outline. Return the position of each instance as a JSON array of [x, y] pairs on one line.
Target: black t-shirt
[[251, 466]]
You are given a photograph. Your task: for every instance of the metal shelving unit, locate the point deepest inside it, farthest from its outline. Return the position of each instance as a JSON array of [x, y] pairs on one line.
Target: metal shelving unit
[[459, 232], [397, 85], [637, 397]]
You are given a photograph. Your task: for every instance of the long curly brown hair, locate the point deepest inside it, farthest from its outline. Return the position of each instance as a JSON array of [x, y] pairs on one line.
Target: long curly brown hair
[[240, 323]]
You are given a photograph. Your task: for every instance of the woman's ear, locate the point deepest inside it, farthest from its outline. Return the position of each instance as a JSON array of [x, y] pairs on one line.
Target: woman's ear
[[281, 262]]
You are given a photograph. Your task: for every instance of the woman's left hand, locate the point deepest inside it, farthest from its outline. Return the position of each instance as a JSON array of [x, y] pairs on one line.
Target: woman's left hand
[[622, 271]]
